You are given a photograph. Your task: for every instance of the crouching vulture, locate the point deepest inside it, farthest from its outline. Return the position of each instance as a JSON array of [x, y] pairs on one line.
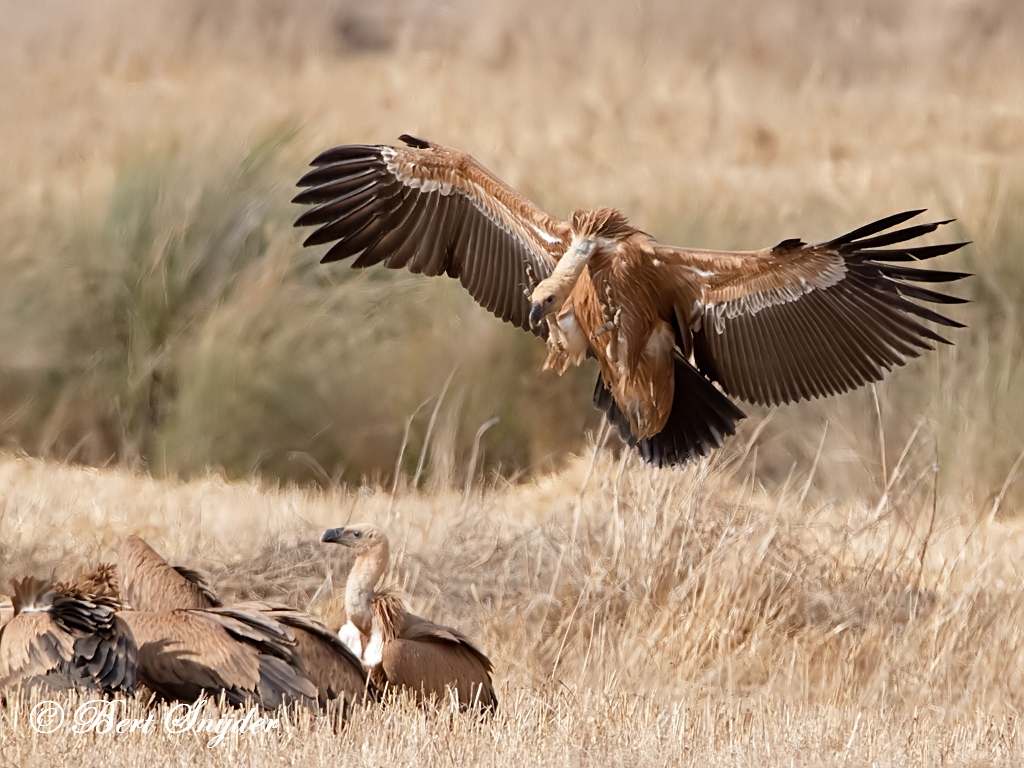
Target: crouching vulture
[[180, 606], [402, 650], [59, 638], [770, 326], [237, 653]]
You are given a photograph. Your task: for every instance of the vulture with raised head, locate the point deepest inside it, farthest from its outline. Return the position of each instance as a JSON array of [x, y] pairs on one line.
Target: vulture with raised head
[[151, 584], [402, 650], [59, 639], [771, 326]]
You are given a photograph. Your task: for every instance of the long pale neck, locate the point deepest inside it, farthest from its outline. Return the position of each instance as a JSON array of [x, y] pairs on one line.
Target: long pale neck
[[569, 268], [362, 581]]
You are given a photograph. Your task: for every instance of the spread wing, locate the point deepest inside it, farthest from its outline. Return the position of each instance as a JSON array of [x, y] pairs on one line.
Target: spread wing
[[801, 321], [433, 210], [35, 651], [74, 643]]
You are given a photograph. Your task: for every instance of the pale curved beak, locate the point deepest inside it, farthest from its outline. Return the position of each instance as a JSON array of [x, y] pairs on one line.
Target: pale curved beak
[[536, 314], [333, 535]]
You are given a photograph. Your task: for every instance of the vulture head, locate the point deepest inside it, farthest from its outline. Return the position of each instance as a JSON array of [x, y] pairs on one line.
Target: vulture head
[[551, 293], [592, 231], [361, 538]]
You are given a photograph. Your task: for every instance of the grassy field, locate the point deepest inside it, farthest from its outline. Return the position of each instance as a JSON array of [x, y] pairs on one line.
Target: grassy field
[[840, 585], [634, 618]]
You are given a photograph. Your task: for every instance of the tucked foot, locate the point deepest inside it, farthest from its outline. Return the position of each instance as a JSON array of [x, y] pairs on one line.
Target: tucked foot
[[613, 321], [531, 280]]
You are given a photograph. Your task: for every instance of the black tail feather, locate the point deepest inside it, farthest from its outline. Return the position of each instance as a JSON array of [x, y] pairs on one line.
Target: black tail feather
[[700, 420]]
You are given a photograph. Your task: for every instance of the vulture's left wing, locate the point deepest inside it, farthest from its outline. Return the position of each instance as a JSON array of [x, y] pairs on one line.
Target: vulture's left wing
[[433, 210], [149, 583], [802, 321]]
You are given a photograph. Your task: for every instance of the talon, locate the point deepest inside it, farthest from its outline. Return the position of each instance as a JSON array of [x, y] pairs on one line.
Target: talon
[[613, 324], [531, 279], [612, 313]]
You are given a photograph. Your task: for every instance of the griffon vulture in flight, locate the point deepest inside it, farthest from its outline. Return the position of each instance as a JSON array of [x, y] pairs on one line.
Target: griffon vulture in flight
[[149, 583], [60, 639], [772, 326], [402, 650]]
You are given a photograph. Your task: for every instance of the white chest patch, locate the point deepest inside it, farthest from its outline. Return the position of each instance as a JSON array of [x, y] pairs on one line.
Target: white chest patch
[[575, 338], [374, 652], [349, 635]]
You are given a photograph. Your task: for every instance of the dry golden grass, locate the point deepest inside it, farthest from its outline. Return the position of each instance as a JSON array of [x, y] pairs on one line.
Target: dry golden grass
[[634, 618]]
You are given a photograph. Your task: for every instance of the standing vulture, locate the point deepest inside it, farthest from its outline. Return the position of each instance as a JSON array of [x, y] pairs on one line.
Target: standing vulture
[[150, 584], [772, 326], [61, 639], [401, 649]]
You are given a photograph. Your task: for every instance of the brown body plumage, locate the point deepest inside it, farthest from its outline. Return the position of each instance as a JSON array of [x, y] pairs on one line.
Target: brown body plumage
[[153, 586], [771, 326], [149, 583], [60, 639], [403, 650], [100, 582], [6, 609], [237, 653], [338, 675]]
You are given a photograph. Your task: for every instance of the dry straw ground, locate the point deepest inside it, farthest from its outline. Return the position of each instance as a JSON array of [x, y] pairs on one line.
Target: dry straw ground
[[841, 585], [634, 618]]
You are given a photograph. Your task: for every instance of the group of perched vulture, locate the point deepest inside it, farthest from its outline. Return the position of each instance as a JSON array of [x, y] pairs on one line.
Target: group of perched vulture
[[144, 622]]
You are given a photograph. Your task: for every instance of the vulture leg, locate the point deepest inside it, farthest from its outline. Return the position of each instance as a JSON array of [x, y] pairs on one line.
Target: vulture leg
[[613, 319]]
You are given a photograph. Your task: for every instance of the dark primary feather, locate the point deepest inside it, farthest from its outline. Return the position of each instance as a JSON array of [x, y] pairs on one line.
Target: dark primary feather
[[834, 339], [367, 212], [413, 141], [328, 662]]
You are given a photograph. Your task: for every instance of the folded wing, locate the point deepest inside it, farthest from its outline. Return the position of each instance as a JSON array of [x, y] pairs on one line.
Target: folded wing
[[429, 659], [148, 583]]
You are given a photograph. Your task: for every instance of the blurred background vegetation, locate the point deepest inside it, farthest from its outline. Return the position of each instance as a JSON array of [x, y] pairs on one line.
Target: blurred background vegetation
[[157, 309]]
